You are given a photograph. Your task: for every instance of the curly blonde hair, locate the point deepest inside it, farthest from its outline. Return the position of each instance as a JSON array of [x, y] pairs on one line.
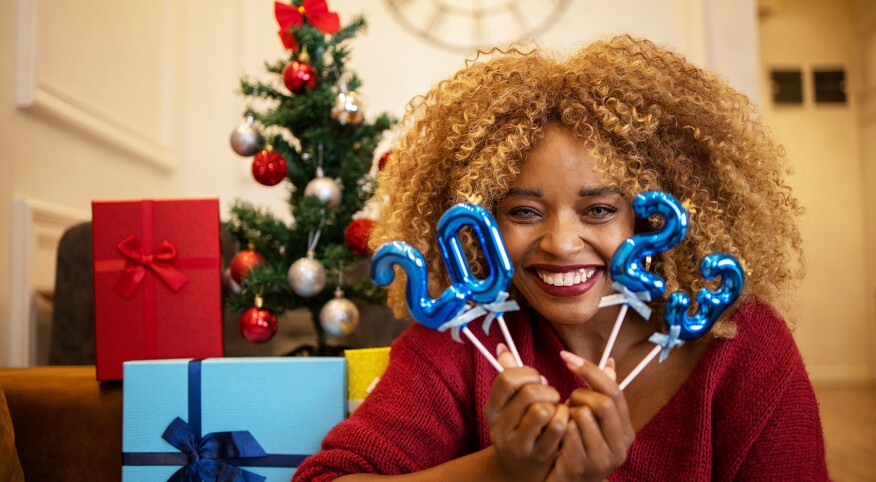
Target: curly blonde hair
[[652, 121]]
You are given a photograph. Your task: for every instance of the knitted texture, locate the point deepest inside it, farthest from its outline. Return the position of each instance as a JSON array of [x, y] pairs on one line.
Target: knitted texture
[[746, 412]]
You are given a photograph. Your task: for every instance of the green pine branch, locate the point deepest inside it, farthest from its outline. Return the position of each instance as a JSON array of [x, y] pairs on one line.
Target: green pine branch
[[347, 153]]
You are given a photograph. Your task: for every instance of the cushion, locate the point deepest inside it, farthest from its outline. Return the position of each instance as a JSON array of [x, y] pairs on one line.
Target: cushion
[[10, 469], [67, 425]]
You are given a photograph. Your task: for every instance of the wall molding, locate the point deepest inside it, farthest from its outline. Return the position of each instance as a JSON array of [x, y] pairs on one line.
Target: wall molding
[[867, 105], [44, 99], [35, 224]]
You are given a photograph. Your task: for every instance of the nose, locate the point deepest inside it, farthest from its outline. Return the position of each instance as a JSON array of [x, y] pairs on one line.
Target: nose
[[562, 237]]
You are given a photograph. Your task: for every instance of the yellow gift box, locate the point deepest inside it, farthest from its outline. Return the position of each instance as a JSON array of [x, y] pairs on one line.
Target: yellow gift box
[[364, 368]]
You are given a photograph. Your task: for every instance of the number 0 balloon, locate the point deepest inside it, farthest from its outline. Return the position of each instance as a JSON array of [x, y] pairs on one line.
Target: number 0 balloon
[[451, 307]]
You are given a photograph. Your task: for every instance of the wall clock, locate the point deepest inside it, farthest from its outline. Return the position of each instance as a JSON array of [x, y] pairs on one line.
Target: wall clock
[[467, 25]]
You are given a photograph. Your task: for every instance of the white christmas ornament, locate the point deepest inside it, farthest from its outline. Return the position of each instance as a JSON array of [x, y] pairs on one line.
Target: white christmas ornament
[[325, 189], [228, 282], [246, 139], [339, 317], [306, 276], [348, 108]]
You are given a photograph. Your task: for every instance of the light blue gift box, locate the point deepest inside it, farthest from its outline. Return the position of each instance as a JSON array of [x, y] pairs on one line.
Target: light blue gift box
[[286, 404]]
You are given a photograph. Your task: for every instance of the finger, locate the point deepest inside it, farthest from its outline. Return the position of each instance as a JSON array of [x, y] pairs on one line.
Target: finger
[[512, 414], [549, 441], [506, 386], [600, 381], [597, 449], [611, 426], [505, 357], [572, 459], [610, 370], [533, 423]]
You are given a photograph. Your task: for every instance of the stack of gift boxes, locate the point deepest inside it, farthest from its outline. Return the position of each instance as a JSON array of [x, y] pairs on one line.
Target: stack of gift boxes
[[189, 413]]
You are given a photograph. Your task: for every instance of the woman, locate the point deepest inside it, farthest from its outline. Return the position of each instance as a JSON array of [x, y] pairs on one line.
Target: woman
[[557, 150]]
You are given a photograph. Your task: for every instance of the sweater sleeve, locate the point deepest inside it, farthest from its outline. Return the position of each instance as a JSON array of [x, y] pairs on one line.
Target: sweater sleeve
[[767, 425], [417, 416], [791, 445]]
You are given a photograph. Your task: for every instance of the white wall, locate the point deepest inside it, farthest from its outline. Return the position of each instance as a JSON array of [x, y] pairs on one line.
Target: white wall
[[136, 99], [824, 143], [236, 38]]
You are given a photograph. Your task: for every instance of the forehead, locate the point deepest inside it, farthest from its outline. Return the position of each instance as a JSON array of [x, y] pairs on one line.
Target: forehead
[[558, 158]]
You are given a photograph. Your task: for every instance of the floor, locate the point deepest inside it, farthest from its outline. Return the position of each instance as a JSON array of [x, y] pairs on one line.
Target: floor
[[849, 419]]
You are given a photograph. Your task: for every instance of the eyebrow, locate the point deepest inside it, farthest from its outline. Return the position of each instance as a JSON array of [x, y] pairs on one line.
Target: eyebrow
[[599, 191], [585, 192]]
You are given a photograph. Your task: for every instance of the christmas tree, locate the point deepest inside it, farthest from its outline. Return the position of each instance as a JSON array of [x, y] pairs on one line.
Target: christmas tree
[[313, 135]]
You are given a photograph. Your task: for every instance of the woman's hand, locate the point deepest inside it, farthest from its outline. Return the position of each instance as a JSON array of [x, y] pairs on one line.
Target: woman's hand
[[526, 420], [600, 431]]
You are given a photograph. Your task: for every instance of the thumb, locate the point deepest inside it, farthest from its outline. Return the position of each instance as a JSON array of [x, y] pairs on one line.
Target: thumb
[[610, 369], [504, 356]]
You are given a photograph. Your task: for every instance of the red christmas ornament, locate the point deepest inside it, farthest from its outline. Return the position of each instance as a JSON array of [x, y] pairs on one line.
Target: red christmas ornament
[[243, 262], [356, 236], [257, 325], [299, 75], [269, 167], [384, 159]]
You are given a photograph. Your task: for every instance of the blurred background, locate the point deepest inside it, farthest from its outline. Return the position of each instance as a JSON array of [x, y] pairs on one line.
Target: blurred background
[[101, 99]]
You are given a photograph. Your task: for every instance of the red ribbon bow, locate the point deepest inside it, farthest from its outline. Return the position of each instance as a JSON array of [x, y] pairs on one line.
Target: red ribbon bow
[[318, 15], [137, 263]]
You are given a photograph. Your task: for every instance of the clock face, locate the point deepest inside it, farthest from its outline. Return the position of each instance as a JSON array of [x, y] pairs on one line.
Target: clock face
[[466, 25]]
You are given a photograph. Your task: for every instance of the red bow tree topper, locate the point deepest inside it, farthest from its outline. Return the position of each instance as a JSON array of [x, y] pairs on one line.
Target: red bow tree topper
[[317, 13]]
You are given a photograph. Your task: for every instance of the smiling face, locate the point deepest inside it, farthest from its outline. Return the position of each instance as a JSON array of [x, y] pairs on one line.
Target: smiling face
[[561, 226]]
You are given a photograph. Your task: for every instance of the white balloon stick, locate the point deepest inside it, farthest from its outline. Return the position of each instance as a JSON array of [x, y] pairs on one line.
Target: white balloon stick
[[509, 340], [613, 337], [490, 358], [641, 366]]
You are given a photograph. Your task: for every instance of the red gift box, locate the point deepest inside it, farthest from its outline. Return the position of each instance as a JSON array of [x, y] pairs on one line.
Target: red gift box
[[157, 281]]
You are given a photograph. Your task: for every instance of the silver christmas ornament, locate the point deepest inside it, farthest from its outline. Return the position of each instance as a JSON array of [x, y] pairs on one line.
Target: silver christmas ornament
[[246, 139], [228, 282], [348, 108], [306, 276], [339, 317], [325, 188]]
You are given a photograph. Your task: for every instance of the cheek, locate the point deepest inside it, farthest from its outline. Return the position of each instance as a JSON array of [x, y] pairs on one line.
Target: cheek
[[521, 285], [515, 244], [610, 241]]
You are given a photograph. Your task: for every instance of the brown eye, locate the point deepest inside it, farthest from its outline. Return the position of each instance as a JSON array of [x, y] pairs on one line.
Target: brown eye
[[601, 211], [522, 213]]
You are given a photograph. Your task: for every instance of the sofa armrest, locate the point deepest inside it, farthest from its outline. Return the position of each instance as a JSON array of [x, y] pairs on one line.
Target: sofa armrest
[[67, 425]]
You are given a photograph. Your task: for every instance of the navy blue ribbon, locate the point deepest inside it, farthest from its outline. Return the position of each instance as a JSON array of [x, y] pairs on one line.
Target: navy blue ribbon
[[215, 456]]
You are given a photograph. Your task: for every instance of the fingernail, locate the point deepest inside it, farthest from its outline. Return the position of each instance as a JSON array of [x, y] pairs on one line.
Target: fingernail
[[501, 348], [544, 380], [610, 369], [571, 359]]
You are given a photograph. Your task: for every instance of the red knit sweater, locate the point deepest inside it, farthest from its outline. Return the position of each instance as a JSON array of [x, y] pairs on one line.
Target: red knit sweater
[[746, 412]]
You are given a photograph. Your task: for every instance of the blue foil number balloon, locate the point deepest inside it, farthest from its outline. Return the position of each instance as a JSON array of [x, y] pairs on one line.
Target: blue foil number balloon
[[711, 303], [626, 264], [478, 290], [426, 310]]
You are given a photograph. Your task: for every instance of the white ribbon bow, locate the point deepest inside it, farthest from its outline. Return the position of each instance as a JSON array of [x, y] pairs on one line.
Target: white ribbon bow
[[626, 296], [464, 316], [497, 308], [667, 341]]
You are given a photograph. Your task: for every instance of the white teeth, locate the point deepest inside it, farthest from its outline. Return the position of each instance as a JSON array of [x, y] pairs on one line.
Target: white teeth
[[569, 278]]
